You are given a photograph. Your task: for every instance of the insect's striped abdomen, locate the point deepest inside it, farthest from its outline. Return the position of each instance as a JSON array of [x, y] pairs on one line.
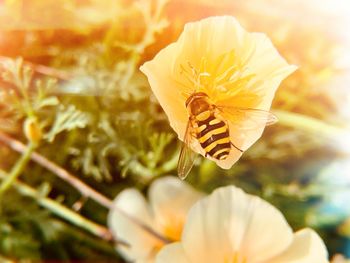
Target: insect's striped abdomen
[[213, 135]]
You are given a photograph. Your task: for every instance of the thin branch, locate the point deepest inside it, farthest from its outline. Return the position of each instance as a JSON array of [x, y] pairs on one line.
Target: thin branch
[[308, 123], [84, 189], [339, 136], [80, 186], [17, 169], [61, 210], [44, 70]]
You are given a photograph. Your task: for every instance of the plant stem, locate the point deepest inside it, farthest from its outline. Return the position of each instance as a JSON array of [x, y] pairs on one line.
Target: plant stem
[[18, 168], [308, 124], [338, 136], [60, 210], [80, 186], [84, 189], [45, 70]]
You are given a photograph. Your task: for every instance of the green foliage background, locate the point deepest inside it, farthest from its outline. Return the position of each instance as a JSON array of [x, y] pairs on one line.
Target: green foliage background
[[71, 71]]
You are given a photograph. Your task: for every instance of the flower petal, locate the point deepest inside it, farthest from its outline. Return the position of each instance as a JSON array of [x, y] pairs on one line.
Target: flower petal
[[267, 233], [230, 221], [173, 253], [142, 244], [171, 198], [244, 137], [205, 237], [266, 63], [269, 69], [210, 38], [167, 91], [306, 247]]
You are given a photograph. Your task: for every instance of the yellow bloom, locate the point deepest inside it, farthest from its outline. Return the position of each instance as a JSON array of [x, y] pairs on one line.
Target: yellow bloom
[[233, 67], [232, 226], [169, 201]]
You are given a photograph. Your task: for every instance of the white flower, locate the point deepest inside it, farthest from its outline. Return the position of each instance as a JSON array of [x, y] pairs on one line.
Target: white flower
[[233, 67], [232, 226], [169, 201]]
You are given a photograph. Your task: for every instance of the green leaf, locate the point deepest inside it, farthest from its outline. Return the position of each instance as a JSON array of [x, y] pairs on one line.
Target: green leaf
[[67, 119]]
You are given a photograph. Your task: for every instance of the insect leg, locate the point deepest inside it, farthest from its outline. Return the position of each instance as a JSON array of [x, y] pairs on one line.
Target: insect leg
[[236, 147]]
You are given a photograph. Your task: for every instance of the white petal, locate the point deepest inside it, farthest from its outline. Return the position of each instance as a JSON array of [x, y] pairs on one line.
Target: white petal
[[206, 235], [171, 198], [307, 247], [142, 244], [267, 233], [173, 253], [230, 221]]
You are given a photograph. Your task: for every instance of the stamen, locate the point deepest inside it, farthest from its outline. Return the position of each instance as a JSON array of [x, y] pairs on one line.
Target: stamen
[[226, 75], [229, 81], [203, 65]]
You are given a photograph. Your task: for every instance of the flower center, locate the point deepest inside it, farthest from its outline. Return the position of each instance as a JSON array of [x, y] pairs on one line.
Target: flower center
[[236, 258], [173, 231], [221, 78]]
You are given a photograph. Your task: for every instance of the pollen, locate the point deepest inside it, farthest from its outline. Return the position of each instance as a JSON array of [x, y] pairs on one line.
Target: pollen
[[173, 231], [236, 258]]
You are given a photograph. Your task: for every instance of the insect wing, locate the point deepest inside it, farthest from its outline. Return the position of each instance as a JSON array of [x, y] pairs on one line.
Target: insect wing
[[248, 118], [187, 156]]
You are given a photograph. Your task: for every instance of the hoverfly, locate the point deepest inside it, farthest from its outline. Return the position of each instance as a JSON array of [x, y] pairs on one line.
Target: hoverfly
[[209, 125]]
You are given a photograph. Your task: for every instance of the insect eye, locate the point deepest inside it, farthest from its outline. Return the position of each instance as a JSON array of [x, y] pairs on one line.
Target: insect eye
[[188, 101], [201, 94]]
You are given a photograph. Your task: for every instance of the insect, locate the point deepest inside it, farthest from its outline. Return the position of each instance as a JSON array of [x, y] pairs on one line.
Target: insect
[[209, 125]]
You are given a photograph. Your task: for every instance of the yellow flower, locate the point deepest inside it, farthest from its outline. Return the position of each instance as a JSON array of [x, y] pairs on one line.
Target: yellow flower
[[232, 226], [169, 201], [233, 67]]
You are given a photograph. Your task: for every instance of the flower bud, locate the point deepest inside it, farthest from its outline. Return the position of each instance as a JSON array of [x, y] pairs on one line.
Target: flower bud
[[32, 130]]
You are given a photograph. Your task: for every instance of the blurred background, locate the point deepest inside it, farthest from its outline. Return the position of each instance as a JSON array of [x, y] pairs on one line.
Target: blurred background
[[71, 91]]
